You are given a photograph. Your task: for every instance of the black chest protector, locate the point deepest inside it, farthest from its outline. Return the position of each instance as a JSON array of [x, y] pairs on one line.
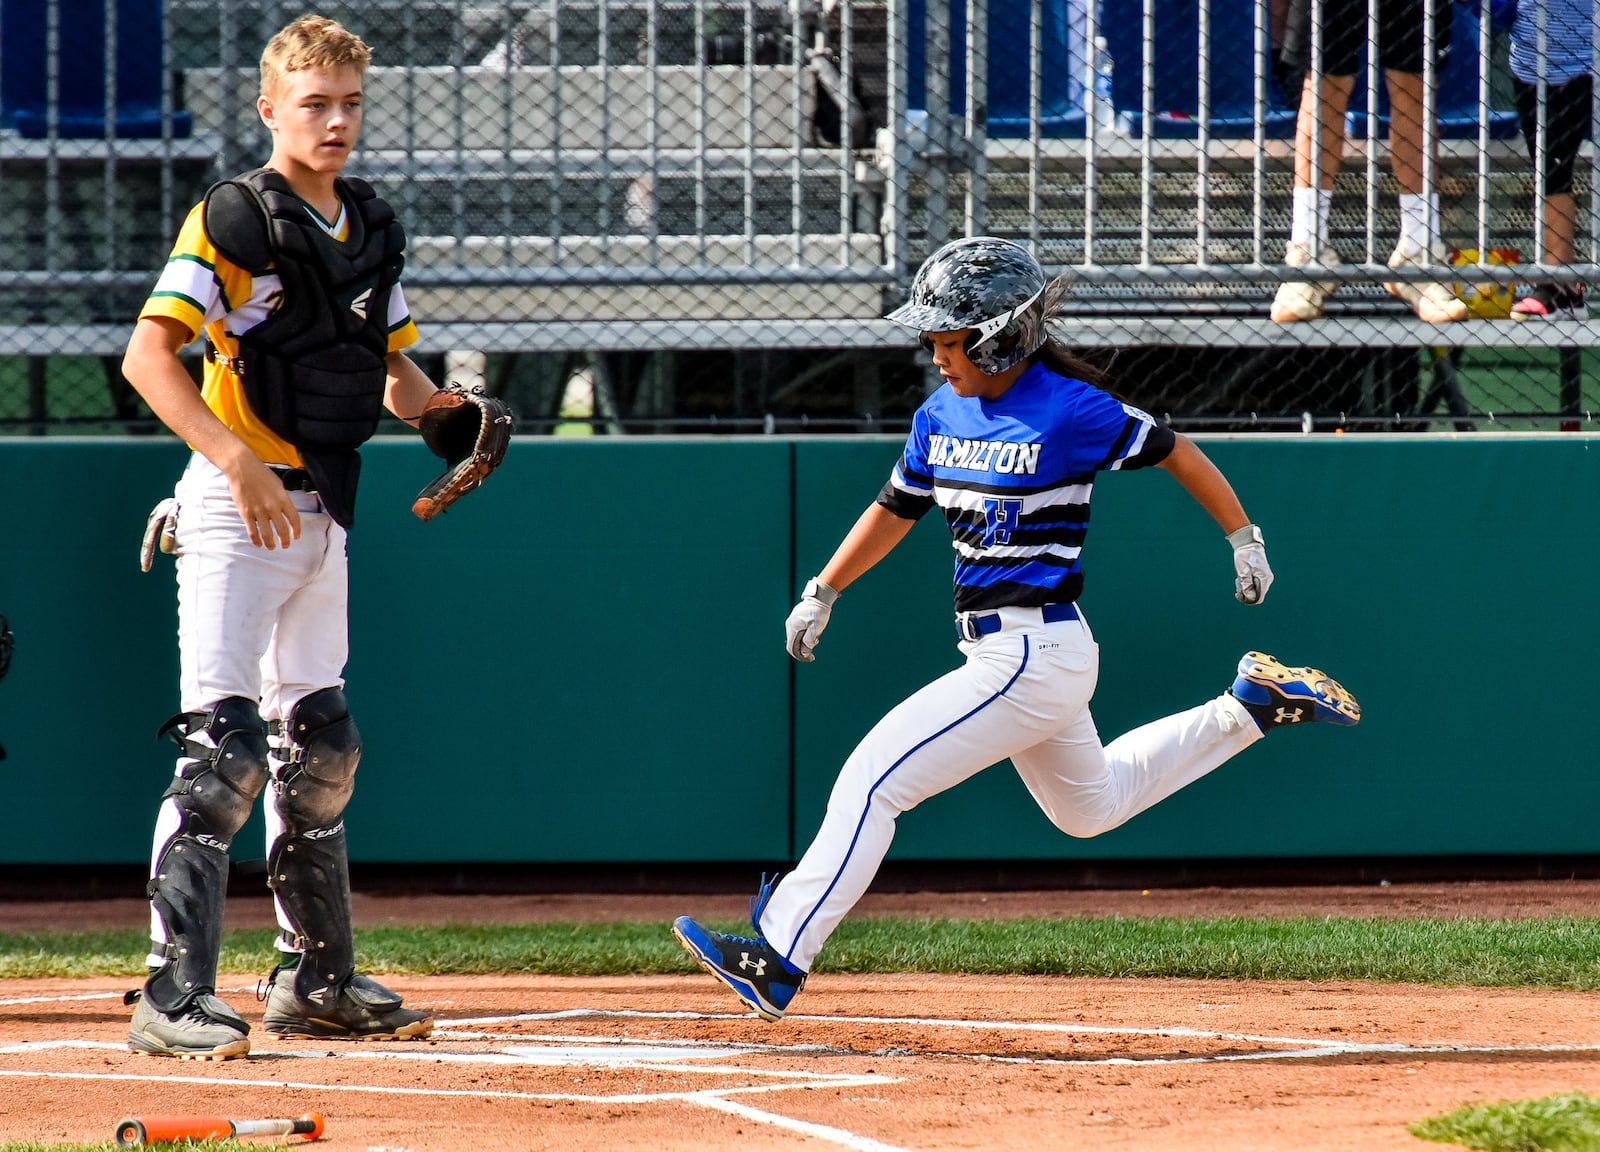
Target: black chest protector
[[314, 371]]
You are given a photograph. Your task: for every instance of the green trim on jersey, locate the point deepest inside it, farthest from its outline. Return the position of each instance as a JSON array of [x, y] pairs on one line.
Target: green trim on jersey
[[222, 289], [193, 259], [185, 297], [331, 227]]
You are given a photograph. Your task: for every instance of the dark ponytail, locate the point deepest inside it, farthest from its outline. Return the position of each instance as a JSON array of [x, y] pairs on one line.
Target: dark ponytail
[[1056, 356]]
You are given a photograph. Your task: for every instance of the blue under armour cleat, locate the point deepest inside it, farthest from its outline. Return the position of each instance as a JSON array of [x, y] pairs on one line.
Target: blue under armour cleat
[[1276, 694], [764, 980]]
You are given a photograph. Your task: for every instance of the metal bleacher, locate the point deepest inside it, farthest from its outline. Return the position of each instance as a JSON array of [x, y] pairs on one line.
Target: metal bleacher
[[554, 203], [680, 176]]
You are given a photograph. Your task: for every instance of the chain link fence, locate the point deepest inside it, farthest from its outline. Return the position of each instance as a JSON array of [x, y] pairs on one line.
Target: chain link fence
[[660, 216]]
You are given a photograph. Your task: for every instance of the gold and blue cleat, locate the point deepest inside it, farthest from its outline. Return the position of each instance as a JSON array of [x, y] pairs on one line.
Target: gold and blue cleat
[[1276, 694]]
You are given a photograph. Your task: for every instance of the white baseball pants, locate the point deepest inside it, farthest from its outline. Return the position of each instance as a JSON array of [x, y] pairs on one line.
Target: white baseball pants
[[1023, 693], [268, 625]]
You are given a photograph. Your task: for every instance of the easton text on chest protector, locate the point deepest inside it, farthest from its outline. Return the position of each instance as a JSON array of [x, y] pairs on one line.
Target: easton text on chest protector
[[314, 371]]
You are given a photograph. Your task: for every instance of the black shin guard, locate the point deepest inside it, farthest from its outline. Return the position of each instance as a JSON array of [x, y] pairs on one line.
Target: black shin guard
[[224, 770], [312, 882], [187, 894], [310, 874]]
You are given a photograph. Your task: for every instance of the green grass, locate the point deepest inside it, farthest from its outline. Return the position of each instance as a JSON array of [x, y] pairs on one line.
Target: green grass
[[1547, 953], [1566, 1123]]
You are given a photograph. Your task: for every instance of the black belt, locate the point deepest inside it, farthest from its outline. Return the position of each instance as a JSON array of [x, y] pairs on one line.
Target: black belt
[[295, 479], [988, 623]]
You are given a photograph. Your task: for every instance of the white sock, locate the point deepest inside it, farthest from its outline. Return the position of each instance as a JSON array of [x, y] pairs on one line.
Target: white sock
[[1308, 220], [1419, 220]]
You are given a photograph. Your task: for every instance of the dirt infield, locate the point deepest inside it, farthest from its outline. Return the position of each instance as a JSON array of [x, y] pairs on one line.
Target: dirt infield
[[873, 1063]]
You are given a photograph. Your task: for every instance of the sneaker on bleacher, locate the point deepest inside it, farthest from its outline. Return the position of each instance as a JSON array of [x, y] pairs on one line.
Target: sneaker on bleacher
[[1434, 302], [1552, 302], [1303, 299]]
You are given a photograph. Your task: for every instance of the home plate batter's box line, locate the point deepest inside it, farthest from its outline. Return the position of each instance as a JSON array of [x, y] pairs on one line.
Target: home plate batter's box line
[[584, 1047], [448, 1029], [581, 1051], [716, 1099], [80, 996], [1291, 1047], [656, 1059]]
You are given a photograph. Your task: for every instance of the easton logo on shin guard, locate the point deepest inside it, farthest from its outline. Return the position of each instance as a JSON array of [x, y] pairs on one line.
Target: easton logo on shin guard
[[315, 772]]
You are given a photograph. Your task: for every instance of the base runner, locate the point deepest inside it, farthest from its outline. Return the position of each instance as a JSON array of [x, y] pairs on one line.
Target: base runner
[[1008, 450]]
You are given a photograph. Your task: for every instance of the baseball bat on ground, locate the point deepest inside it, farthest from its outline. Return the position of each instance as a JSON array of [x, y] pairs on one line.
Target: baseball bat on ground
[[138, 1130]]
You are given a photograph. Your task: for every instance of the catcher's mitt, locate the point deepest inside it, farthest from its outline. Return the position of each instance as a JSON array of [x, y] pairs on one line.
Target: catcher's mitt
[[470, 431]]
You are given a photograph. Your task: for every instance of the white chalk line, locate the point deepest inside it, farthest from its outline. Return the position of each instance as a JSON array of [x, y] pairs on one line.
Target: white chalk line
[[62, 999], [839, 1081], [738, 1047], [805, 1127], [654, 1056], [1322, 1052], [659, 1059], [91, 996], [648, 1053], [1173, 1032], [719, 1100], [663, 1055]]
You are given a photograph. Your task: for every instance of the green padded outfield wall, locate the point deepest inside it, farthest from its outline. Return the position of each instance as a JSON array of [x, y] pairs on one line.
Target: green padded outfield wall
[[561, 668], [583, 661], [1449, 582]]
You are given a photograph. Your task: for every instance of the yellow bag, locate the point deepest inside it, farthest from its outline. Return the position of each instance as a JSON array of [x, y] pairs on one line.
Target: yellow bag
[[1486, 299]]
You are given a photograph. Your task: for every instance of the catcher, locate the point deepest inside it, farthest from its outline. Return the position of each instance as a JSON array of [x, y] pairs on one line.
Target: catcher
[[292, 273]]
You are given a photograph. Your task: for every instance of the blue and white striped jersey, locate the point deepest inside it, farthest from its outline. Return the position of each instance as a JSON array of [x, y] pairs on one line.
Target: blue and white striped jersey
[[1013, 476], [1568, 46]]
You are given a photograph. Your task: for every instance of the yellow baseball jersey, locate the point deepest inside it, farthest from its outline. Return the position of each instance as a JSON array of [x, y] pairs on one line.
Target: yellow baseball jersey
[[203, 291]]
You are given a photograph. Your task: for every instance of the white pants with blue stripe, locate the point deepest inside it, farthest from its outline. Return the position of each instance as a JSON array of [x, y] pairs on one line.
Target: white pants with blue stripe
[[1023, 693]]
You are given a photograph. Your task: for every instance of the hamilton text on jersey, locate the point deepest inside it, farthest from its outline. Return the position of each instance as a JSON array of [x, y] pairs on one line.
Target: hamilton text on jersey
[[983, 455]]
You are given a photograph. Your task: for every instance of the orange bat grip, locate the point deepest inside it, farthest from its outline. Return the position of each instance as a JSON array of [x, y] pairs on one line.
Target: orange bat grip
[[138, 1130], [153, 1129]]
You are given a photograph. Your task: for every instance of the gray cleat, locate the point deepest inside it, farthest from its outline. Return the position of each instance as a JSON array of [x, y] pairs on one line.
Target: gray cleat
[[206, 1030], [358, 1008]]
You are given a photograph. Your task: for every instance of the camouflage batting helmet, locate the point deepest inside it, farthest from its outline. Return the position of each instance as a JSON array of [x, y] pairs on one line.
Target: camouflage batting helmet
[[992, 286]]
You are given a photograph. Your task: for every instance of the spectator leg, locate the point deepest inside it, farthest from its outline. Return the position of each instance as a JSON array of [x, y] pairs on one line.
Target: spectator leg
[[1405, 130], [1335, 97]]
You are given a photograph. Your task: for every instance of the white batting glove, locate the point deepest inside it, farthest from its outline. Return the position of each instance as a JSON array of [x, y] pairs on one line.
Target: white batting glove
[[805, 624], [1250, 563]]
